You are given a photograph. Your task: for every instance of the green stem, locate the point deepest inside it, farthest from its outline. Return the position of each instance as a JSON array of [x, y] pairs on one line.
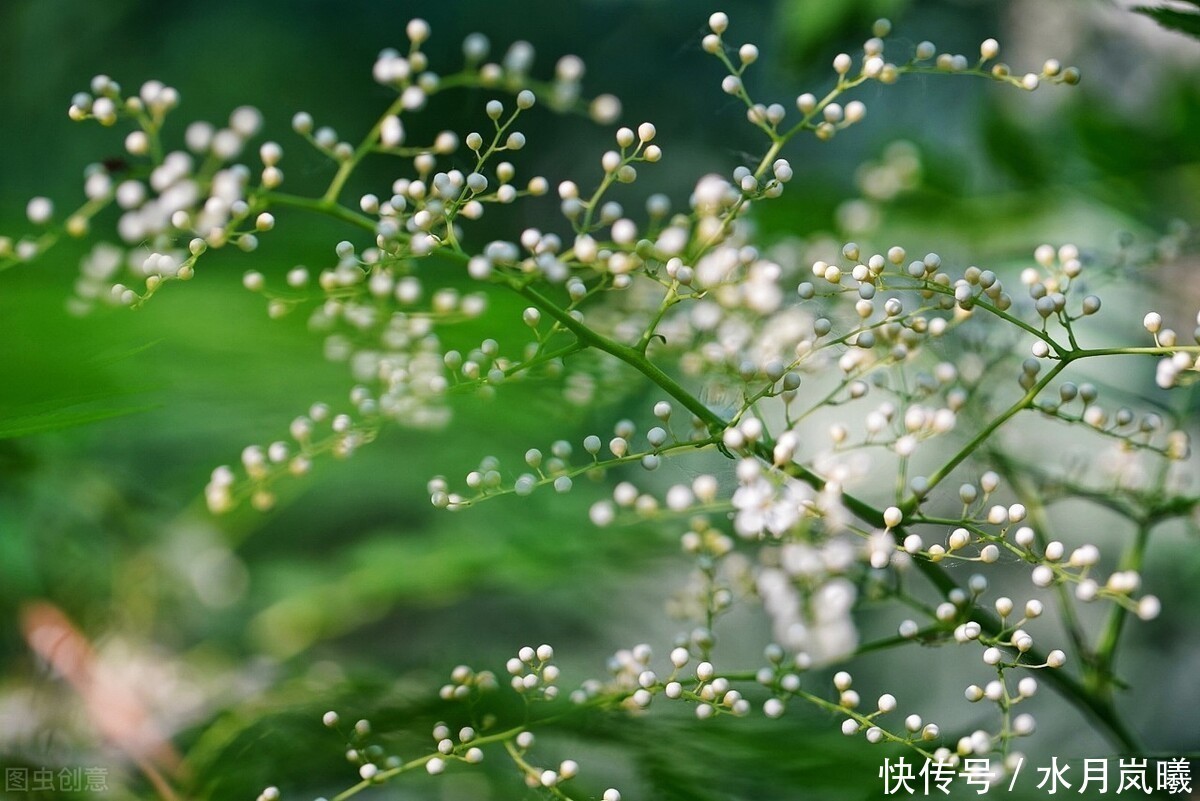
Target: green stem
[[1106, 647], [1036, 510], [669, 300], [986, 432], [1059, 350], [625, 353], [1150, 351], [364, 147], [320, 205]]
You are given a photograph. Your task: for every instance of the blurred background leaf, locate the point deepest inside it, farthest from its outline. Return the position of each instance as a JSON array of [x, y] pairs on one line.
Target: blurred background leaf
[[1172, 19]]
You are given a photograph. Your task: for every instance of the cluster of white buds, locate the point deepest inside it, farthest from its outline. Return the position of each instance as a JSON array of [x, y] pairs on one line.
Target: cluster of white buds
[[630, 673], [544, 777], [170, 217], [915, 729], [464, 682], [1131, 434], [1176, 368], [318, 432], [1051, 71], [106, 104], [374, 764], [563, 463], [1078, 567], [533, 672], [825, 117], [714, 693], [453, 745]]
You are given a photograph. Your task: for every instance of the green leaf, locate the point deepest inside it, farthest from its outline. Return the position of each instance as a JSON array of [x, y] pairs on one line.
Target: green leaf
[[1013, 148], [1181, 21], [808, 24], [53, 416]]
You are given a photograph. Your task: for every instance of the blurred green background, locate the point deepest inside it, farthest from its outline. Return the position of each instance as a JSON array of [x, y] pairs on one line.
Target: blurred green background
[[354, 593]]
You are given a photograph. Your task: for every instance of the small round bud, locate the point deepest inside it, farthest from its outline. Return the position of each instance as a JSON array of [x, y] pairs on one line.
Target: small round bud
[[39, 210], [302, 123], [1149, 607], [892, 516], [417, 31]]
